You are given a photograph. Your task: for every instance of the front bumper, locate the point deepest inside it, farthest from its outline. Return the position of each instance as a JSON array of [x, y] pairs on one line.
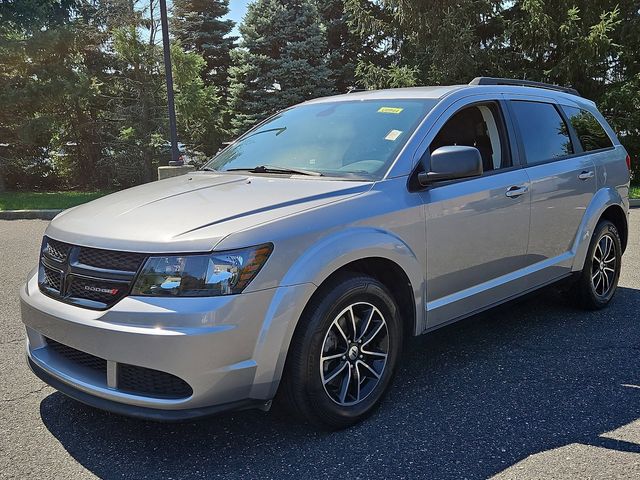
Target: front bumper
[[229, 350], [135, 411]]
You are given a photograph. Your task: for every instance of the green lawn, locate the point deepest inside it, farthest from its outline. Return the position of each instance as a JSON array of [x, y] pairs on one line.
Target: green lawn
[[45, 200], [635, 191]]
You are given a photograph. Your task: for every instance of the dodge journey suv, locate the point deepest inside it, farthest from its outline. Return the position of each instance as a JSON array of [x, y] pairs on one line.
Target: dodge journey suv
[[299, 259]]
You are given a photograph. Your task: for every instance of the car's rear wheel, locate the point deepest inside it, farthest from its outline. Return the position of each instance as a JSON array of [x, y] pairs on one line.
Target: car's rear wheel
[[344, 353], [599, 277]]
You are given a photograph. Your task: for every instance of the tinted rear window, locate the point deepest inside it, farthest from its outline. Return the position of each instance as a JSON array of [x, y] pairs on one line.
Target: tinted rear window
[[589, 130], [544, 133]]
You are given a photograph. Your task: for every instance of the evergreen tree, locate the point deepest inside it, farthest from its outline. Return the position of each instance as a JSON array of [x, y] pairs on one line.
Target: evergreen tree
[[344, 46], [82, 81], [428, 41], [200, 27], [137, 106], [138, 103], [52, 65], [197, 105], [388, 64], [591, 45], [281, 62]]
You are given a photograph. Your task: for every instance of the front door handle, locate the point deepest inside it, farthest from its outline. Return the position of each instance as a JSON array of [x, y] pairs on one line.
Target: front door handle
[[516, 191], [586, 175]]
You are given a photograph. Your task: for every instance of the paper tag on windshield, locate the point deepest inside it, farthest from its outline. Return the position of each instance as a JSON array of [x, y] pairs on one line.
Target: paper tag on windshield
[[393, 135], [390, 110]]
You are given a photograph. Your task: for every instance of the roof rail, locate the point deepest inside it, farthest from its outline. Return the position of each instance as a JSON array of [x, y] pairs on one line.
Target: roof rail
[[522, 83], [355, 89]]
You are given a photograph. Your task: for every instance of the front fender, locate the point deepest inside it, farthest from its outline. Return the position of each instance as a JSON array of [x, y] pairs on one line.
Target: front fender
[[308, 272], [348, 245], [603, 199]]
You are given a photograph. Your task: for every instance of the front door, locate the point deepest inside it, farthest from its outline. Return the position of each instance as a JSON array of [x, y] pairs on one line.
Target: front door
[[476, 229]]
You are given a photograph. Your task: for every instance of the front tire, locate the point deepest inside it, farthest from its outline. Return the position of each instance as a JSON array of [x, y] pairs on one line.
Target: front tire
[[599, 277], [344, 353]]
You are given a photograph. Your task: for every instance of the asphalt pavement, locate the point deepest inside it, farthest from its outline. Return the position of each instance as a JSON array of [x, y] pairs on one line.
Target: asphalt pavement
[[533, 389]]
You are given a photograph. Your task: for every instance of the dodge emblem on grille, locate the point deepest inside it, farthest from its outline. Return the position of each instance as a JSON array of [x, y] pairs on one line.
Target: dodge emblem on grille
[[111, 291]]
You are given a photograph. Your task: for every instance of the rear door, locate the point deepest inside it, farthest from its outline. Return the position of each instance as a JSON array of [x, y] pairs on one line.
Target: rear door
[[562, 181]]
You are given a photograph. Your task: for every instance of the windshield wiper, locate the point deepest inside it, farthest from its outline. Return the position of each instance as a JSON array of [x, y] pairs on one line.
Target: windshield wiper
[[279, 130], [276, 169]]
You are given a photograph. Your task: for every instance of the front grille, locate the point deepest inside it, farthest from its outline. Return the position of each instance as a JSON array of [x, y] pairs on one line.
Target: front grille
[[57, 250], [78, 357], [100, 291], [151, 383], [52, 279], [87, 277], [130, 378], [111, 260]]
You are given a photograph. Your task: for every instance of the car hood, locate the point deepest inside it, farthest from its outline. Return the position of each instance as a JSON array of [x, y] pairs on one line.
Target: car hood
[[193, 212]]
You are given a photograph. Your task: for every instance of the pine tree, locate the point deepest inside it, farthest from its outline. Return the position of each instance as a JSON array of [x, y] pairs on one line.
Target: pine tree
[[427, 41], [138, 108], [197, 105], [200, 27], [281, 62], [53, 65], [344, 46]]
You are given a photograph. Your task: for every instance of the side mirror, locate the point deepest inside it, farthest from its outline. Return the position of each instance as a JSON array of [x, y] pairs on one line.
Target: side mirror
[[451, 163]]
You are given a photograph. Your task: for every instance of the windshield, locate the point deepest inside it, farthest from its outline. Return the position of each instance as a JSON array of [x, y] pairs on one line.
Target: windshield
[[345, 139]]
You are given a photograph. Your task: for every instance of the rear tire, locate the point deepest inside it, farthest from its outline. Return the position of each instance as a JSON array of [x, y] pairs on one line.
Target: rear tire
[[598, 280], [344, 353]]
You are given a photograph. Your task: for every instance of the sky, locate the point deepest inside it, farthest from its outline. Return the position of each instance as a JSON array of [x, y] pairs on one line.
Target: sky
[[237, 9]]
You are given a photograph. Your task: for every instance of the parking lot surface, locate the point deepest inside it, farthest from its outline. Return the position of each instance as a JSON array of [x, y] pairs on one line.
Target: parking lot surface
[[534, 389]]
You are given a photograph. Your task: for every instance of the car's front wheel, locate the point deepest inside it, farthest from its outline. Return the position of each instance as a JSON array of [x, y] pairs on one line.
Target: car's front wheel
[[599, 277], [344, 353]]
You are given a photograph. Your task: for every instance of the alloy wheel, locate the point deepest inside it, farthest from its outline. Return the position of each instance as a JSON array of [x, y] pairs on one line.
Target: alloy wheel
[[354, 354], [603, 267]]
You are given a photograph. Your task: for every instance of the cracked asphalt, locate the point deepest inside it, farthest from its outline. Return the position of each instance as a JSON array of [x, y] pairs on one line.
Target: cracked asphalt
[[534, 389]]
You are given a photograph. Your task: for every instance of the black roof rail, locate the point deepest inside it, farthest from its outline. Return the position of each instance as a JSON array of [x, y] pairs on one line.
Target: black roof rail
[[522, 83], [355, 89]]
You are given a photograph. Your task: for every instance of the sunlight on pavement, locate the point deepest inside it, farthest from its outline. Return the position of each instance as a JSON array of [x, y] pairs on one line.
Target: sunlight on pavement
[[619, 447], [628, 433], [575, 461]]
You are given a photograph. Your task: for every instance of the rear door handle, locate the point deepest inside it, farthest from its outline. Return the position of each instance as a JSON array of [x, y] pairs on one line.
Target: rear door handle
[[516, 191], [586, 175]]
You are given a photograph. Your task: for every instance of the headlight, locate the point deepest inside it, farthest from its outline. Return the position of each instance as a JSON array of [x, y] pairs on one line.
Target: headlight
[[219, 273]]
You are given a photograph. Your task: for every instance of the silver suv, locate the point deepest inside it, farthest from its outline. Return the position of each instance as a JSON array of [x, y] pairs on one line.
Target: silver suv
[[298, 260]]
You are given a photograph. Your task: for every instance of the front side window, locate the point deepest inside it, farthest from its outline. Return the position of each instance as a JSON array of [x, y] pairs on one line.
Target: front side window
[[589, 130], [353, 139], [478, 126], [544, 133]]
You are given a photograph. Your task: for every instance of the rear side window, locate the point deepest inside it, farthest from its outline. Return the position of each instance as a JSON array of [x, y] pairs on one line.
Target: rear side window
[[544, 133], [589, 130]]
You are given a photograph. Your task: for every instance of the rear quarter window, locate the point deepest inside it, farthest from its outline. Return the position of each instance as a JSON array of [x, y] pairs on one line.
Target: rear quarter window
[[591, 133], [544, 133]]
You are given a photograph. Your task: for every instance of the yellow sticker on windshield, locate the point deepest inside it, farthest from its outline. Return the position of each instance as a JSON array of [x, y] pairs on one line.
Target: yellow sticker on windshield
[[390, 110]]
